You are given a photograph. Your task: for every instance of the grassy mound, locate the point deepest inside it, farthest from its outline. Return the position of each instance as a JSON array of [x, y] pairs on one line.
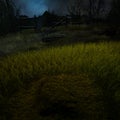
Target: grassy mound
[[62, 97]]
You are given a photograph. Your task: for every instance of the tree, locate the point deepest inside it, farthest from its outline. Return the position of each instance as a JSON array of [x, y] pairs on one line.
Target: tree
[[96, 8], [100, 7], [7, 16], [75, 10], [114, 14], [74, 7]]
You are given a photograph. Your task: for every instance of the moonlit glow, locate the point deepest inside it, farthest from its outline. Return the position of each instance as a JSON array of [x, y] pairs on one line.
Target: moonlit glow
[[31, 7], [38, 7]]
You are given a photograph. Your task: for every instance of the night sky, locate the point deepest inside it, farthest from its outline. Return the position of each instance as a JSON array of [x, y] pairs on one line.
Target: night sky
[[38, 7]]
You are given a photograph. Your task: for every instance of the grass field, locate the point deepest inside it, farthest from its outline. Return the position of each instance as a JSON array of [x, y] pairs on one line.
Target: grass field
[[67, 82], [99, 62]]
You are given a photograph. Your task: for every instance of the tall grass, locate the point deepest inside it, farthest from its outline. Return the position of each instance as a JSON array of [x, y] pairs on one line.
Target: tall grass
[[100, 61]]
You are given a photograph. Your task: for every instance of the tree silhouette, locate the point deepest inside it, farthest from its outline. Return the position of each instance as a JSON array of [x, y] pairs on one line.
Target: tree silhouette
[[74, 7], [7, 16], [96, 8], [114, 15]]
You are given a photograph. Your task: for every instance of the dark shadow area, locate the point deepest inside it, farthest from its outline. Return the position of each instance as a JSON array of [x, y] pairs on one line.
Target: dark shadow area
[[64, 111]]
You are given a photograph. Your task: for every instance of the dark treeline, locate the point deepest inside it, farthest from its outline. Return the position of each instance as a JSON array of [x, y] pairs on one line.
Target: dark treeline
[[114, 14], [96, 9], [93, 11], [7, 16]]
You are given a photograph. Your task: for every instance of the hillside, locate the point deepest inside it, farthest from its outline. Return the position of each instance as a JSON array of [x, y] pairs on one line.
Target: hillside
[[67, 79]]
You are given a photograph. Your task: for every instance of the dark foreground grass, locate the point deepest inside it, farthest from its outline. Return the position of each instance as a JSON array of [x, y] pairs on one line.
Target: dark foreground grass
[[100, 62], [62, 97]]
